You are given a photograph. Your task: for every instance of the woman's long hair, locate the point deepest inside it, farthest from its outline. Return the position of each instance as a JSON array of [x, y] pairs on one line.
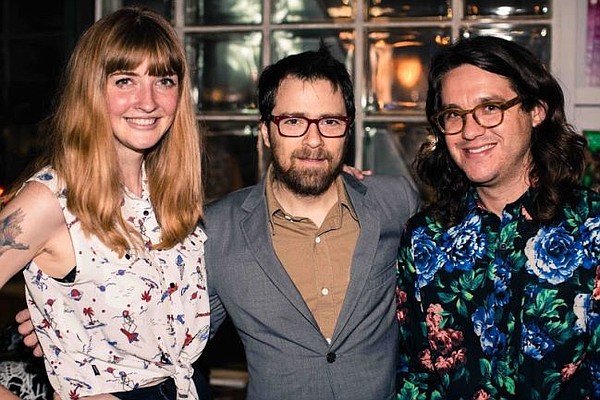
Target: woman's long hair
[[557, 149], [83, 152]]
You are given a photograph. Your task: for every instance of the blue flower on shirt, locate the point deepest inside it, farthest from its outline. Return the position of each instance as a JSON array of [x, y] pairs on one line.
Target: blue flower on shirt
[[581, 306], [535, 343], [553, 254], [501, 294], [426, 257], [491, 339], [595, 374], [590, 238], [482, 319], [463, 244], [45, 176]]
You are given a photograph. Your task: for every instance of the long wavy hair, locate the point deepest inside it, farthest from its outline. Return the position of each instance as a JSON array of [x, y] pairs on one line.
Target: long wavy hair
[[82, 143], [557, 149]]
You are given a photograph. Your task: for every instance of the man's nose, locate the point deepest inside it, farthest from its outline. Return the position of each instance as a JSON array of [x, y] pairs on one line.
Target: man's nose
[[471, 128], [313, 137]]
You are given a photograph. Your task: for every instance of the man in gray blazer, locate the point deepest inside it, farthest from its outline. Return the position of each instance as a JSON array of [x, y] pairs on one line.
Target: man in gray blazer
[[304, 262]]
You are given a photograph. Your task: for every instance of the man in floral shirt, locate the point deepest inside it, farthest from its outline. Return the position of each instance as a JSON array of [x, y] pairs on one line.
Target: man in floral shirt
[[499, 289]]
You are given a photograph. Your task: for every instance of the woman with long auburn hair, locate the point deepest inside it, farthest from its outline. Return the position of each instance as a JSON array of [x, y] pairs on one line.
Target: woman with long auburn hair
[[105, 230]]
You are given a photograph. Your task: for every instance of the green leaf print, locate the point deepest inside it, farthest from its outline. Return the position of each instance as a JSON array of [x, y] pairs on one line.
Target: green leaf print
[[409, 391], [446, 297], [509, 385], [552, 380], [485, 367]]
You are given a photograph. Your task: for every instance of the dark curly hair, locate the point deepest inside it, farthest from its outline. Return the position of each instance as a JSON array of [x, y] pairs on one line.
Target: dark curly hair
[[557, 150]]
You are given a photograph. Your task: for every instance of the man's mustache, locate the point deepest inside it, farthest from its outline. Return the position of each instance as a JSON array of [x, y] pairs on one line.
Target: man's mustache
[[311, 154]]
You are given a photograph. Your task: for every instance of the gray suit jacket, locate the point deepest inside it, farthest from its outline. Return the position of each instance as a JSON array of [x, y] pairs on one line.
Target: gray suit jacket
[[287, 356]]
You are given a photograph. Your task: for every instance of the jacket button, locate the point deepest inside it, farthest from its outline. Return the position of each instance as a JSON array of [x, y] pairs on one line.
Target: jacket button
[[330, 357]]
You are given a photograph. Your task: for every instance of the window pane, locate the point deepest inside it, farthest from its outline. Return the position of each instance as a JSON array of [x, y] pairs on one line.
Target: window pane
[[223, 12], [225, 67], [534, 37], [340, 43], [413, 8], [164, 7], [390, 148], [286, 11], [397, 66], [592, 46], [231, 157], [504, 8]]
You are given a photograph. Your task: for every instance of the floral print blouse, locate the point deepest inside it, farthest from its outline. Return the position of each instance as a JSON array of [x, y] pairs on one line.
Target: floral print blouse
[[501, 308], [123, 322]]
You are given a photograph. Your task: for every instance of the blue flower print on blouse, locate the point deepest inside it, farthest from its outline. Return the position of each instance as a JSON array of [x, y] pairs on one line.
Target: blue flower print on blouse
[[587, 318], [535, 343], [482, 319], [553, 254], [524, 294], [581, 305], [491, 339], [426, 257], [595, 373], [463, 244], [501, 295], [590, 237]]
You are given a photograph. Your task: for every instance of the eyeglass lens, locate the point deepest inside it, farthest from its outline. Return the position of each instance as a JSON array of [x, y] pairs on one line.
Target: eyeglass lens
[[488, 115], [298, 126]]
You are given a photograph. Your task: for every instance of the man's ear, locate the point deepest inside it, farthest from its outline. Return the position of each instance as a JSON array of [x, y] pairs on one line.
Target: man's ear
[[264, 132], [538, 114]]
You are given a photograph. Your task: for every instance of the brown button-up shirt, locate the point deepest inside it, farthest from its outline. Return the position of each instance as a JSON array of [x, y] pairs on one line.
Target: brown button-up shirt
[[317, 258]]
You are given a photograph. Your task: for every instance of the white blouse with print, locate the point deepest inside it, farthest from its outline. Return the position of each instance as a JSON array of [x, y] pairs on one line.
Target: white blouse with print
[[123, 322]]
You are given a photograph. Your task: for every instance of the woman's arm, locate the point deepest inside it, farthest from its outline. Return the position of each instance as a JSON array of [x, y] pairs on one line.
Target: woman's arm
[[32, 226]]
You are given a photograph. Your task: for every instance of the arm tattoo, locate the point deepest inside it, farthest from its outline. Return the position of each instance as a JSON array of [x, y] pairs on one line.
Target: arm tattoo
[[9, 230]]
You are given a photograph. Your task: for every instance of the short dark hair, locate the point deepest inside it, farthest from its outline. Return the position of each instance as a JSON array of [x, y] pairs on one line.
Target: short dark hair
[[309, 65], [557, 149]]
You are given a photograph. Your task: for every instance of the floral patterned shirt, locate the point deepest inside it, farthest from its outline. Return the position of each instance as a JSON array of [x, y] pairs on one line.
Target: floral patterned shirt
[[123, 322], [501, 308]]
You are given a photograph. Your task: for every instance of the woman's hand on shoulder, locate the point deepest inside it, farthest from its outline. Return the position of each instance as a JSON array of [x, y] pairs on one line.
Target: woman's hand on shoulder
[[355, 172]]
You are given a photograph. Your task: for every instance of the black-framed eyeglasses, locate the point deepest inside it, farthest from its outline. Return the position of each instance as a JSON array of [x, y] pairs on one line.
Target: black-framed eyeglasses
[[488, 115], [332, 126]]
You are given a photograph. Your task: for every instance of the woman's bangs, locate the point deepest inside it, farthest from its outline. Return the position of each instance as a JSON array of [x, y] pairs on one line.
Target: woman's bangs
[[162, 61]]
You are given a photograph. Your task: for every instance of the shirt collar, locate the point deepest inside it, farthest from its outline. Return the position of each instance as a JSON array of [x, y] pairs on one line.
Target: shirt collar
[[517, 207]]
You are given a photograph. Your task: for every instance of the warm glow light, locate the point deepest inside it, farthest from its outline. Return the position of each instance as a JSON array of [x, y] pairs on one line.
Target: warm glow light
[[409, 71], [442, 40], [340, 12]]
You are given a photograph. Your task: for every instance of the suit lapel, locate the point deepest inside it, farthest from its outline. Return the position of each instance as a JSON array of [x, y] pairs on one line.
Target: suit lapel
[[364, 252], [257, 234]]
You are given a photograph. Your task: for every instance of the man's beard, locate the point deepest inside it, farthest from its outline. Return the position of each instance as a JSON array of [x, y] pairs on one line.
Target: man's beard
[[308, 181]]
